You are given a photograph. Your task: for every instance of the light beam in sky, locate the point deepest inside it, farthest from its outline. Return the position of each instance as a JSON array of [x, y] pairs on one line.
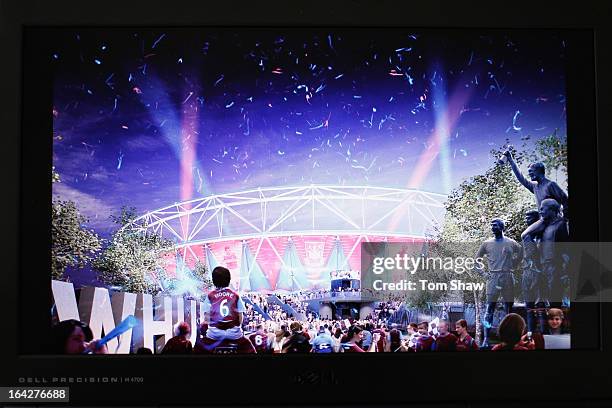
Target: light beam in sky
[[446, 120], [189, 139]]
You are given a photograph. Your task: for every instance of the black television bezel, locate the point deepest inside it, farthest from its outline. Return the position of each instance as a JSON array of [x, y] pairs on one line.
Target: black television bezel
[[336, 379]]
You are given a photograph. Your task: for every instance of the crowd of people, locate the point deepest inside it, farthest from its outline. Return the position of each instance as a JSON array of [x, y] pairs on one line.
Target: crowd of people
[[295, 303], [274, 310], [224, 330], [382, 311], [324, 336]]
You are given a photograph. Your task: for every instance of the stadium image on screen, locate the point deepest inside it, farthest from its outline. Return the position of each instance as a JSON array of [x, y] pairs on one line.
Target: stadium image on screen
[[215, 191]]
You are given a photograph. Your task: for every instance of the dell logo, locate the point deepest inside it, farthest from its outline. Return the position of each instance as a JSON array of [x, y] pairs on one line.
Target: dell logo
[[315, 377]]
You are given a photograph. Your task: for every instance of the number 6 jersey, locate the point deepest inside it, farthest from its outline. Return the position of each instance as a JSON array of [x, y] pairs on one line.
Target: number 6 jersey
[[224, 306]]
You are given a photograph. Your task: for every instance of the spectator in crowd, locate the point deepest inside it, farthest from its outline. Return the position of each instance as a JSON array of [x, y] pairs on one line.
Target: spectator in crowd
[[395, 343], [180, 343], [512, 334], [424, 341], [73, 337], [297, 342], [465, 342], [260, 340], [305, 331], [279, 339], [444, 340], [367, 336], [323, 343], [382, 338], [144, 351], [224, 313], [354, 336], [337, 340], [413, 334], [554, 320]]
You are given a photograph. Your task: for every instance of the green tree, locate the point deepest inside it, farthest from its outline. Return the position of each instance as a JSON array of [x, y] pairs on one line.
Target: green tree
[[72, 244], [200, 271], [132, 259], [552, 151], [469, 211], [494, 194], [125, 217]]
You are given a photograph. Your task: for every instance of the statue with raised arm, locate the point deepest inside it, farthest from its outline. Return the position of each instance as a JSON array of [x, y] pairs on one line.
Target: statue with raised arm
[[503, 255], [541, 187]]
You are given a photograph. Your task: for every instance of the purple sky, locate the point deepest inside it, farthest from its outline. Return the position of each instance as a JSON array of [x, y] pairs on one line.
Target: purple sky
[[238, 109]]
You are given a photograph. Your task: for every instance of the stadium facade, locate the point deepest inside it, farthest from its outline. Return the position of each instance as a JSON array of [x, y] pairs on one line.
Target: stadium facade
[[291, 238]]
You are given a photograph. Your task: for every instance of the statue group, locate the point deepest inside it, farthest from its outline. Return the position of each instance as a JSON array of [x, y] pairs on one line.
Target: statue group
[[540, 257]]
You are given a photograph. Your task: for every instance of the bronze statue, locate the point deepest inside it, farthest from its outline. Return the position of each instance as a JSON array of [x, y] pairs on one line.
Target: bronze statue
[[503, 255]]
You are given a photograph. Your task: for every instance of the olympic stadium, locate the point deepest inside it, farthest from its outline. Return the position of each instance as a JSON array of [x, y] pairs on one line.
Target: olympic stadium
[[291, 238]]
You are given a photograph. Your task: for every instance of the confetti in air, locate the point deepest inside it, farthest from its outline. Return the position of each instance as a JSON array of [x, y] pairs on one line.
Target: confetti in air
[[204, 111], [119, 161], [514, 126], [161, 37]]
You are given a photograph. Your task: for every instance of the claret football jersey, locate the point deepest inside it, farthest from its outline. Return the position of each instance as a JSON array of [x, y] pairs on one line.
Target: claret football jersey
[[260, 342], [224, 306]]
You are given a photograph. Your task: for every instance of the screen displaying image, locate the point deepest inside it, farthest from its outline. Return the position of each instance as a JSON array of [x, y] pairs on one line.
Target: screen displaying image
[[219, 191]]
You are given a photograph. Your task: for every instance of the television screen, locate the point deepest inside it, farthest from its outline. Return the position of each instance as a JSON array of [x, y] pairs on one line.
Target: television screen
[[308, 190]]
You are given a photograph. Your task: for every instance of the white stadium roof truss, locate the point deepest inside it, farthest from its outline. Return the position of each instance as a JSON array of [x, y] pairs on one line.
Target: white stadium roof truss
[[265, 213]]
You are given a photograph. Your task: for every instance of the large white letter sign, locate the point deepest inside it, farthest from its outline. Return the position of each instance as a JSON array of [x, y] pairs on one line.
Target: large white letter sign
[[124, 304], [96, 311], [65, 300], [193, 321], [150, 327]]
